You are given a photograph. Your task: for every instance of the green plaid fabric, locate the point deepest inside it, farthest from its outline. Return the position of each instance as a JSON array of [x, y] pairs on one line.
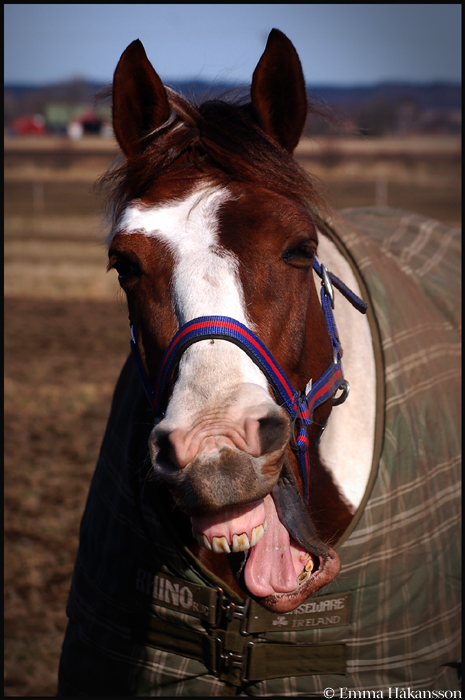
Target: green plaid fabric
[[400, 562]]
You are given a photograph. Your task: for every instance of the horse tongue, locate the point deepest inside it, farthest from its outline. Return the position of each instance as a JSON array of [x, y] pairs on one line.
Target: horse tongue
[[269, 568]]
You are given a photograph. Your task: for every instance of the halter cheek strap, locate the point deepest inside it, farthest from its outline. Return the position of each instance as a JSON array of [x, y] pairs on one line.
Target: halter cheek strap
[[300, 406]]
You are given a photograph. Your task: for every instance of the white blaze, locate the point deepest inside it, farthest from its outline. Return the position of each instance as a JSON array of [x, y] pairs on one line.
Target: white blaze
[[206, 276], [206, 283]]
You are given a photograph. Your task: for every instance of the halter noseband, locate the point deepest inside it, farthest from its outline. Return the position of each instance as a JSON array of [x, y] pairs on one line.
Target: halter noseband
[[300, 406]]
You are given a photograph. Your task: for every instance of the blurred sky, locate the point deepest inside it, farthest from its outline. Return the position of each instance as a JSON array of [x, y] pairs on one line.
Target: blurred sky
[[337, 44]]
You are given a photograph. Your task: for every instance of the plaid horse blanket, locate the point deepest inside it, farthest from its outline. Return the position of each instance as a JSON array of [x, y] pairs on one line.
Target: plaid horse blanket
[[391, 619]]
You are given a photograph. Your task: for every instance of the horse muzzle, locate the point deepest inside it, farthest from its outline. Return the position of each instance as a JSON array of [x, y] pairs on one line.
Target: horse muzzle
[[219, 463]]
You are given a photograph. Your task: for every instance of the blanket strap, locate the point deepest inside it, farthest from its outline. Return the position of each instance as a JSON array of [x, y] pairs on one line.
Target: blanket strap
[[232, 644], [236, 659]]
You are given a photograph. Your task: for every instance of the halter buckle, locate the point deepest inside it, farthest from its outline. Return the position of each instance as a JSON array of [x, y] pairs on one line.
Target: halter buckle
[[325, 282]]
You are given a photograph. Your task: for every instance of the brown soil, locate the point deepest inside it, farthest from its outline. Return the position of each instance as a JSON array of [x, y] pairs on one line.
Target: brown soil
[[62, 361]]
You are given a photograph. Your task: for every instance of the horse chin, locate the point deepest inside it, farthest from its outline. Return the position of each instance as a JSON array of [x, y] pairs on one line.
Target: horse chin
[[214, 488]]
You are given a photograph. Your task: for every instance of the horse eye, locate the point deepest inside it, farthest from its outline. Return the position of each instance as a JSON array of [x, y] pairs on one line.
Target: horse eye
[[299, 255], [124, 267]]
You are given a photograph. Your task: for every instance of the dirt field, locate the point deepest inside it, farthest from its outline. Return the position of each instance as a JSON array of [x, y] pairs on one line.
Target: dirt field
[[62, 358], [66, 337]]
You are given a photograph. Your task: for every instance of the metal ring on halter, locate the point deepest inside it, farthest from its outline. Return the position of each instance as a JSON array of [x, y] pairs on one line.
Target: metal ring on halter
[[327, 284], [345, 387]]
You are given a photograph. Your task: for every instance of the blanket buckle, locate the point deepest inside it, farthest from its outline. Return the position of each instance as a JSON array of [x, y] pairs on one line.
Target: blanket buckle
[[232, 611], [230, 661]]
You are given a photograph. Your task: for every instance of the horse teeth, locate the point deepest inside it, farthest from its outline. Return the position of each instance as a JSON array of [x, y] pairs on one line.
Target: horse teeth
[[309, 565], [307, 570], [240, 542], [202, 539], [206, 542], [220, 545], [304, 557], [257, 534]]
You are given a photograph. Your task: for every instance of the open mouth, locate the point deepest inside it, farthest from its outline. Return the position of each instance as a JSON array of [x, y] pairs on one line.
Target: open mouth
[[284, 562]]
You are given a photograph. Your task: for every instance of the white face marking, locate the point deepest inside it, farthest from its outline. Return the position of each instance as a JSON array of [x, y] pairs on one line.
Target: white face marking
[[206, 282]]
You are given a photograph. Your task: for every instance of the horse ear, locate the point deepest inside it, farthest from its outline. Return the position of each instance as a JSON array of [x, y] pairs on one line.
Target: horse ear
[[279, 97], [140, 102]]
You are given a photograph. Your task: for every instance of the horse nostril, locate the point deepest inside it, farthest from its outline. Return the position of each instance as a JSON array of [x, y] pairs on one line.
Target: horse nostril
[[273, 432], [162, 449]]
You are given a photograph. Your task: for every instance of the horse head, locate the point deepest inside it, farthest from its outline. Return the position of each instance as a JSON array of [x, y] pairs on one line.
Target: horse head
[[213, 217]]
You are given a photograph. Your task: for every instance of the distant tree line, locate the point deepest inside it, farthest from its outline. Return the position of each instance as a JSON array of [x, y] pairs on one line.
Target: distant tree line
[[369, 110]]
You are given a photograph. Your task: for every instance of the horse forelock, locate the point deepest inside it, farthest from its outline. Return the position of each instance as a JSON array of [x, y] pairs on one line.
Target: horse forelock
[[218, 142]]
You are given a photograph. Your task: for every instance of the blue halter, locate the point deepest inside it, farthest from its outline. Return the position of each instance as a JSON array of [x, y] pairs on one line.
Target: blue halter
[[300, 406]]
